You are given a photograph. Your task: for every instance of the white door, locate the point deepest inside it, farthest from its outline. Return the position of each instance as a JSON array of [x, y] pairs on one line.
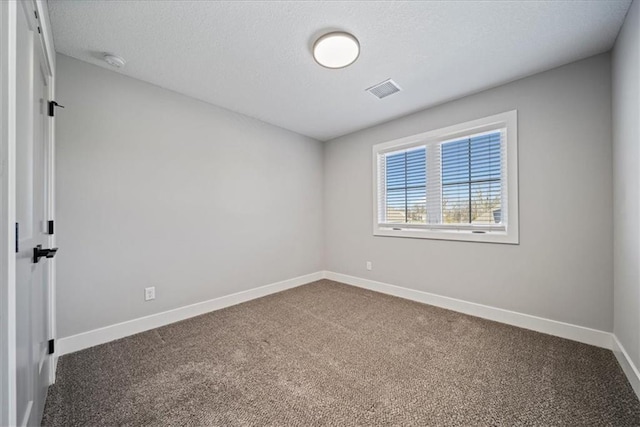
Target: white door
[[32, 211]]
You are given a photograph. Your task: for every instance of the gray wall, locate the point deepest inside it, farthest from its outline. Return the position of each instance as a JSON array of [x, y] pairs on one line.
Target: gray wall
[[157, 189], [563, 267], [626, 183]]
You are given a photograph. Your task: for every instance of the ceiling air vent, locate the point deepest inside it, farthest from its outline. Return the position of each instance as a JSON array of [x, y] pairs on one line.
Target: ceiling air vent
[[384, 89]]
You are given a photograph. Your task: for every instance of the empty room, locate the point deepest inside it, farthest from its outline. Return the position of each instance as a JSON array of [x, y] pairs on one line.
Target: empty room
[[310, 213]]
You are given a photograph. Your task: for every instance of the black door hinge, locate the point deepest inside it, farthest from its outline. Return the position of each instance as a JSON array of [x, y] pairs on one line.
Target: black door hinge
[[50, 227], [17, 237], [52, 106], [51, 347]]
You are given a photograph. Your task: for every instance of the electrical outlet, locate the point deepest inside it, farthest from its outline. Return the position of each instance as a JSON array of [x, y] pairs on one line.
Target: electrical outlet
[[369, 266], [150, 293]]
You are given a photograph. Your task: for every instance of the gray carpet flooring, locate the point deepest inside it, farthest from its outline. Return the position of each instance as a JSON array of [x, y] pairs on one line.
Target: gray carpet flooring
[[332, 354]]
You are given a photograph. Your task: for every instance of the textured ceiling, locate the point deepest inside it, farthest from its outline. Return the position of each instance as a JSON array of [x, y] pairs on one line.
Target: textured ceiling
[[255, 57]]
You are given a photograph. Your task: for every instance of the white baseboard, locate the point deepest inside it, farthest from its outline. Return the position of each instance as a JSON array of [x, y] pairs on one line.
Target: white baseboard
[[54, 368], [526, 321], [27, 414], [552, 327], [628, 367], [120, 330]]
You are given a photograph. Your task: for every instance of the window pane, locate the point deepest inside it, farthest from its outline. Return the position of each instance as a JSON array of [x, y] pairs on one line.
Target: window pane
[[405, 175], [455, 162], [471, 180], [396, 206], [485, 157], [416, 205], [485, 202], [455, 203]]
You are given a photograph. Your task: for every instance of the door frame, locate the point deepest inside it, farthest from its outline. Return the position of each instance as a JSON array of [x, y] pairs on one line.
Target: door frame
[[8, 20], [8, 28], [50, 57]]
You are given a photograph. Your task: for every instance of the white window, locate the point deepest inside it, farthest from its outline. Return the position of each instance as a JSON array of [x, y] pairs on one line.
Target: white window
[[455, 183]]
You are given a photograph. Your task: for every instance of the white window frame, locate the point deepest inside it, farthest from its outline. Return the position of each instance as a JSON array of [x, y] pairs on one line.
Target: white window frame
[[508, 122]]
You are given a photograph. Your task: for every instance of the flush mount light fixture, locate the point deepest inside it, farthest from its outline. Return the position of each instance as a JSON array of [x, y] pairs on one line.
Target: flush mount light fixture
[[336, 50], [114, 61]]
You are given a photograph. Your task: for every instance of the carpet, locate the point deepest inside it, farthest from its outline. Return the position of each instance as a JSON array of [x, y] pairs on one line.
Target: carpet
[[332, 354]]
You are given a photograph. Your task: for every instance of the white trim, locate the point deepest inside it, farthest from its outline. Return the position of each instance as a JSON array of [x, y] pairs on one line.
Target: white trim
[[508, 121], [120, 330], [459, 233], [628, 367], [47, 35], [551, 327], [50, 55], [27, 414], [8, 20]]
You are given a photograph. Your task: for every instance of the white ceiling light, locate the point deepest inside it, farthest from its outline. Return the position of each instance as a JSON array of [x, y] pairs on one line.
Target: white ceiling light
[[336, 50], [114, 61]]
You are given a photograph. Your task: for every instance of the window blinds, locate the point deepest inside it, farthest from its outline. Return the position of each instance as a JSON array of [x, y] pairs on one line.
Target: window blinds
[[406, 186], [447, 184]]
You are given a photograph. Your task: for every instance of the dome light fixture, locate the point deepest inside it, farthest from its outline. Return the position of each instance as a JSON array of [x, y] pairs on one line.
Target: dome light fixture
[[336, 50], [114, 60]]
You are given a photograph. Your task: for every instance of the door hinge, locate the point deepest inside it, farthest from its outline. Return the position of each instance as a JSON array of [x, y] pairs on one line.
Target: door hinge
[[17, 237], [51, 347], [50, 227], [52, 106]]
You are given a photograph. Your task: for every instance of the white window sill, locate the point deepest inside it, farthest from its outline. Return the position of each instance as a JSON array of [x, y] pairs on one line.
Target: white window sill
[[506, 237]]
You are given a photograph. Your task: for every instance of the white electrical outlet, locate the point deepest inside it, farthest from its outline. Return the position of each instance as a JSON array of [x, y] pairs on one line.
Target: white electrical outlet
[[150, 293], [369, 265]]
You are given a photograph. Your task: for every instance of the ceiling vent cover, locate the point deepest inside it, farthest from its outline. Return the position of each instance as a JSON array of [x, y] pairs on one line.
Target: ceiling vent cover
[[384, 89]]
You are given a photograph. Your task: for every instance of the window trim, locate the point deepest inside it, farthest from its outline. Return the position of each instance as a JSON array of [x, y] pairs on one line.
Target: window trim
[[464, 232]]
